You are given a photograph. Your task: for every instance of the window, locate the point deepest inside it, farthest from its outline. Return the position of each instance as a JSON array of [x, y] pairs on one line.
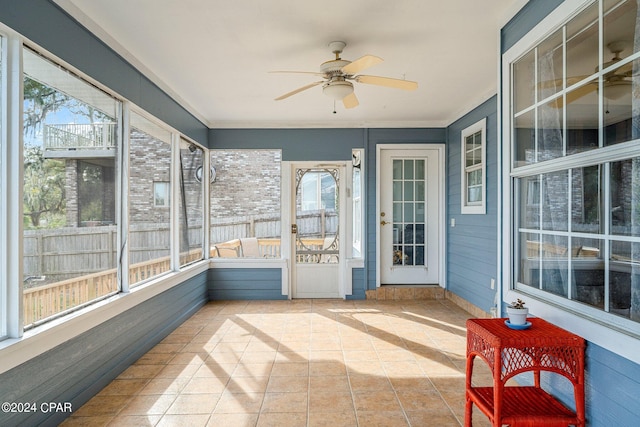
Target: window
[[149, 196], [69, 195], [190, 202], [245, 204], [575, 164], [473, 169], [161, 194]]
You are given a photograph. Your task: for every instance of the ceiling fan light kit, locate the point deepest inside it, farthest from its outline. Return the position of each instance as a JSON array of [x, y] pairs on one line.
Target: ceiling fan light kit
[[338, 74]]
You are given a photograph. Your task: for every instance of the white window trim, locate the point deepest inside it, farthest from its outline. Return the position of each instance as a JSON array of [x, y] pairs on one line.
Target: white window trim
[[594, 328], [465, 206]]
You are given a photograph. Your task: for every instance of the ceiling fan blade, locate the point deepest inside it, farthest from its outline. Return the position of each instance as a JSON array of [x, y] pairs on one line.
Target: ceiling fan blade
[[360, 64], [350, 101], [574, 95], [388, 82], [300, 89], [313, 73]]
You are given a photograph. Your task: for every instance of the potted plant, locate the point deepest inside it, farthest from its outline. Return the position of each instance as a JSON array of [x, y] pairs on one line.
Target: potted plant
[[517, 312]]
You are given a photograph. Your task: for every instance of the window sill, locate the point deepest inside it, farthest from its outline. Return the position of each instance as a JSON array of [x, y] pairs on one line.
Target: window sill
[[597, 331]]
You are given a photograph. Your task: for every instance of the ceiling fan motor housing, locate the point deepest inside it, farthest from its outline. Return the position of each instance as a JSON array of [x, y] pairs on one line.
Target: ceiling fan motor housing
[[337, 88]]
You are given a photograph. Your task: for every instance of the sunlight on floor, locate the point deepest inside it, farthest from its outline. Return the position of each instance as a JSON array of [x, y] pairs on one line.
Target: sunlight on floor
[[297, 363]]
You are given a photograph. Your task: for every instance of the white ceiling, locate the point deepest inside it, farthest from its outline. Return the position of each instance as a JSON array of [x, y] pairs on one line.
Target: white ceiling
[[214, 56]]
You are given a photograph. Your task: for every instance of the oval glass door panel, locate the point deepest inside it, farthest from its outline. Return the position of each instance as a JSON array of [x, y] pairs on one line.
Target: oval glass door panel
[[317, 216]]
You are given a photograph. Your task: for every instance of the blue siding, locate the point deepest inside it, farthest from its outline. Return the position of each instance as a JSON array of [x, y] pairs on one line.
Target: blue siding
[[527, 18], [245, 284], [472, 257], [76, 370], [358, 284], [612, 382], [296, 144], [44, 23]]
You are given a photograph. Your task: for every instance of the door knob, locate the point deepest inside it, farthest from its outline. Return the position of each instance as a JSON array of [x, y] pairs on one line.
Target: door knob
[[383, 222]]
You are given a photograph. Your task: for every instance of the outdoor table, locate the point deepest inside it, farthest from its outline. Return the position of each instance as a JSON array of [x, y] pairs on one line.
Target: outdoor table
[[509, 352]]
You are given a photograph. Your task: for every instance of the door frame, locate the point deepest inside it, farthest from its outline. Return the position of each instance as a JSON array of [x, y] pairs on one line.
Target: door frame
[[288, 205], [440, 148]]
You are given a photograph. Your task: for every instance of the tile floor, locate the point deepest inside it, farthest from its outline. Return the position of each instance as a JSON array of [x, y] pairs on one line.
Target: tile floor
[[297, 363]]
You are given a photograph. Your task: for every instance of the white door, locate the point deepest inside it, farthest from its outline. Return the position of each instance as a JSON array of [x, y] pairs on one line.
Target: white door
[[316, 232], [409, 217]]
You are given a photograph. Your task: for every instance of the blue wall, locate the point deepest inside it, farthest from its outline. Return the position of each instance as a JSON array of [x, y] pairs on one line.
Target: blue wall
[[472, 244], [612, 382], [47, 25], [76, 370], [244, 284]]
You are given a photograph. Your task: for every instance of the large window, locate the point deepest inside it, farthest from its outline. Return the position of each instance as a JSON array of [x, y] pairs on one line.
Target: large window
[[575, 164], [70, 148], [149, 199], [245, 204]]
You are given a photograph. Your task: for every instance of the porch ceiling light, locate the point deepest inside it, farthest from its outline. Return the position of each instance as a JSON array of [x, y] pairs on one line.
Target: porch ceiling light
[[337, 89]]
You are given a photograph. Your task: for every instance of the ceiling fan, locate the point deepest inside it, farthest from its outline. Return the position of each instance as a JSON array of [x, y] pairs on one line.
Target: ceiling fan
[[339, 73], [616, 82]]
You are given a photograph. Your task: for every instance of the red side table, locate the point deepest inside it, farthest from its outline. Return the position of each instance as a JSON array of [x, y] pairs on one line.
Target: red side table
[[508, 352]]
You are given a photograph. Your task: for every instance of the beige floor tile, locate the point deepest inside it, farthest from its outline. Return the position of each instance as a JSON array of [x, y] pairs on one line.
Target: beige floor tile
[[97, 421], [376, 400], [285, 402], [188, 420], [369, 383], [296, 419], [102, 405], [233, 420], [332, 419], [330, 401], [275, 363], [205, 385], [239, 403], [164, 386], [125, 387], [247, 384], [326, 368], [337, 383], [149, 404], [287, 384], [290, 369], [383, 419], [135, 421], [194, 403]]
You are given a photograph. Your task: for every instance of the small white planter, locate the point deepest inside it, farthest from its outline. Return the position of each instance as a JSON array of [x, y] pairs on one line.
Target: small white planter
[[517, 316]]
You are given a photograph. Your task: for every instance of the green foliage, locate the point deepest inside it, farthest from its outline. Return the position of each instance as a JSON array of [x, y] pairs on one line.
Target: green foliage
[[43, 186]]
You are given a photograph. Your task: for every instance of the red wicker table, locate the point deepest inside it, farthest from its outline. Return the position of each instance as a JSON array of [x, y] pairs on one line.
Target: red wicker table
[[508, 352]]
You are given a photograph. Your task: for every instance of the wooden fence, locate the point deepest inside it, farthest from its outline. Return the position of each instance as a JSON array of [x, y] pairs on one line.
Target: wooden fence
[[77, 265]]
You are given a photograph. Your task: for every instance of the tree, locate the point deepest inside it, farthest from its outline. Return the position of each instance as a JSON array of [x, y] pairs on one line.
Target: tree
[[43, 185]]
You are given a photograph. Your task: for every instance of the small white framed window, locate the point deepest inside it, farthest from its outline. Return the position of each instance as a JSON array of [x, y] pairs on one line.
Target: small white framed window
[[473, 169], [161, 191]]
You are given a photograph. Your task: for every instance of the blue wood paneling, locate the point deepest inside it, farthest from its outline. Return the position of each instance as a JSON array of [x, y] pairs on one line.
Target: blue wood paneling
[[245, 284], [358, 284], [44, 23], [527, 18], [296, 144], [472, 257], [78, 369]]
